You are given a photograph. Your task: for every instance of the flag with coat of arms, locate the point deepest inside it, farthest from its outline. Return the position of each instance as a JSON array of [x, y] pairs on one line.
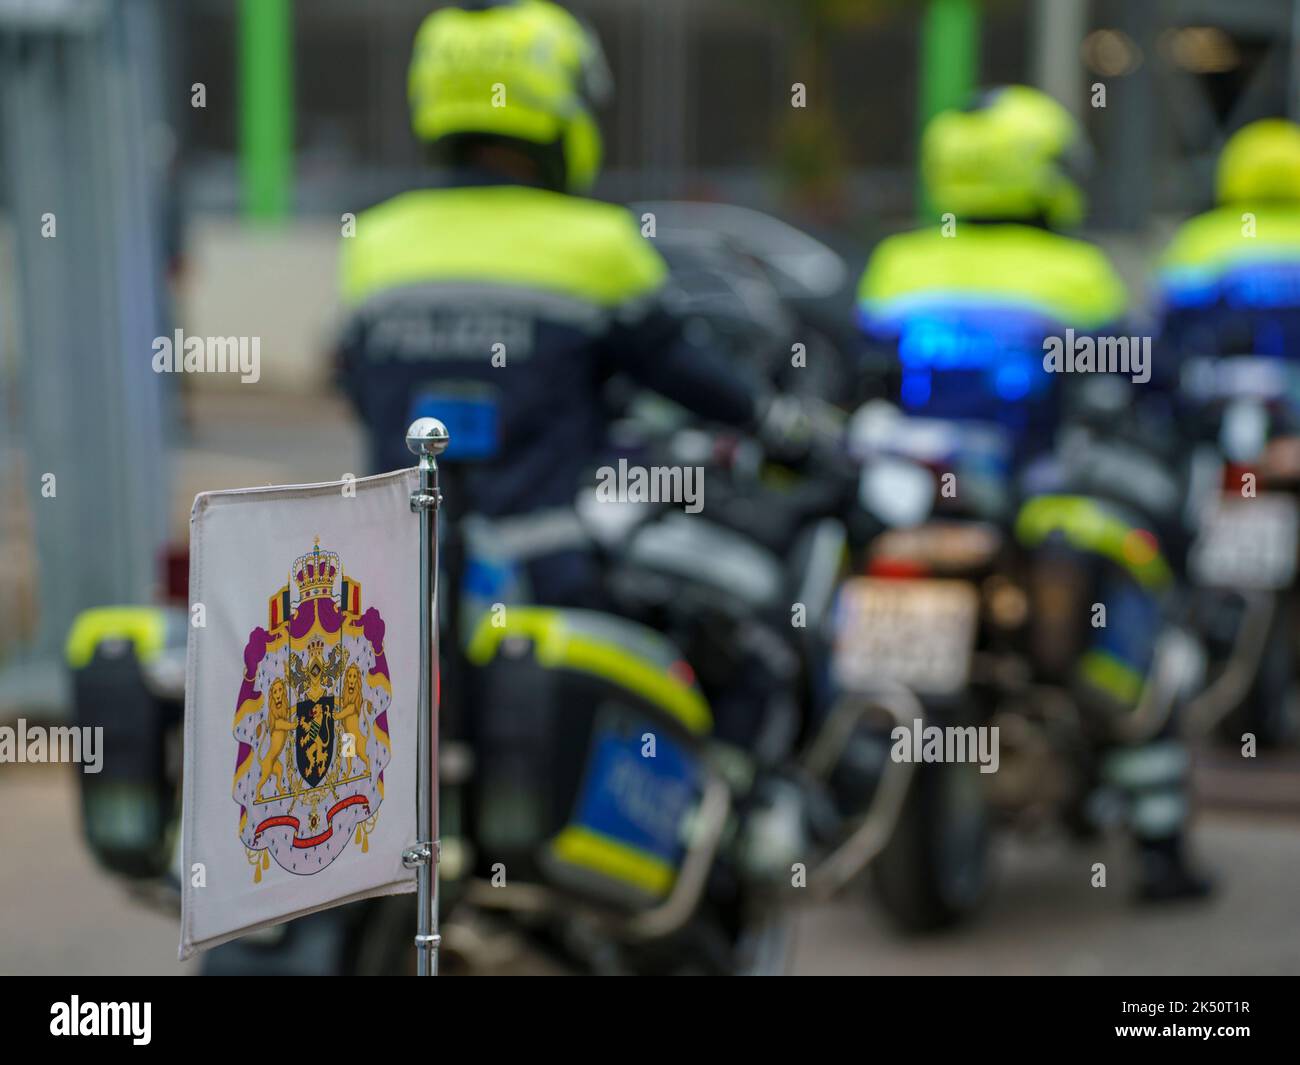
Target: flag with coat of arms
[[300, 702]]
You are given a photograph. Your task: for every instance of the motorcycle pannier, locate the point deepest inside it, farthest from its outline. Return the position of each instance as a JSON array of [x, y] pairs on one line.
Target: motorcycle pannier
[[587, 732]]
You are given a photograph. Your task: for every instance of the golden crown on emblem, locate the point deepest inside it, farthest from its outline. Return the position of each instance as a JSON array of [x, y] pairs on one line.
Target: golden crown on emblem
[[316, 572]]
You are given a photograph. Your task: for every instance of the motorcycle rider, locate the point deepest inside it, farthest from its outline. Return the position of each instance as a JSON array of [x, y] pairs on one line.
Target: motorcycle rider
[[1229, 285], [962, 308], [506, 289], [506, 285], [1229, 282], [962, 313]]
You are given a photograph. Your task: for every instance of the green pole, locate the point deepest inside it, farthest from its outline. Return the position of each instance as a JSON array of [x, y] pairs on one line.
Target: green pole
[[266, 107], [949, 63]]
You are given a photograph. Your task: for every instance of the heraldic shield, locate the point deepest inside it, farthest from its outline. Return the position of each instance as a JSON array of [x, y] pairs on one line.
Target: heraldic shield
[[312, 722]]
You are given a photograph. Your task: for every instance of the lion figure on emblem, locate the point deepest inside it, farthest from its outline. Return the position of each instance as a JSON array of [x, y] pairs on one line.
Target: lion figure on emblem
[[280, 723], [351, 707]]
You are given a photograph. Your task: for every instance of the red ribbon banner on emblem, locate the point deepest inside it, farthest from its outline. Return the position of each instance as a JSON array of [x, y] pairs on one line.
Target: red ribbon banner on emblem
[[302, 842]]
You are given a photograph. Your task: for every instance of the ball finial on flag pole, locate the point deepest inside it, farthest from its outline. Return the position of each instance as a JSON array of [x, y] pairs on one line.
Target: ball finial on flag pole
[[427, 438]]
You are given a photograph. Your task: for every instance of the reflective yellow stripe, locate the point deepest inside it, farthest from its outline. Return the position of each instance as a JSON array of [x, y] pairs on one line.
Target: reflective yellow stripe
[[144, 626], [509, 235], [658, 687], [1112, 675], [609, 857], [1089, 527], [1068, 280], [557, 646], [1217, 240]]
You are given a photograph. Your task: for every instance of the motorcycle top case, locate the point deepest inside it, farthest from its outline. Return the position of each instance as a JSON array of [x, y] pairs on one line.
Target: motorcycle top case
[[588, 741]]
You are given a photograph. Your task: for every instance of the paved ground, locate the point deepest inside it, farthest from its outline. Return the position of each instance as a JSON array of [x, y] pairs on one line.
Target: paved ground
[[1044, 918], [61, 914]]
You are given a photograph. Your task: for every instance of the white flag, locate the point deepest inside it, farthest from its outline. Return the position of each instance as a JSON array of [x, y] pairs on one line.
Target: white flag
[[300, 702]]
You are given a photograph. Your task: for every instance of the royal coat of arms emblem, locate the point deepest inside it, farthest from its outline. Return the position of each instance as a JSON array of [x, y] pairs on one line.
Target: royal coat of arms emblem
[[312, 721]]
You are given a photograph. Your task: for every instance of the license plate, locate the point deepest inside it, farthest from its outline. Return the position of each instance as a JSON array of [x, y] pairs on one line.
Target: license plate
[[1236, 377], [1248, 543], [918, 633]]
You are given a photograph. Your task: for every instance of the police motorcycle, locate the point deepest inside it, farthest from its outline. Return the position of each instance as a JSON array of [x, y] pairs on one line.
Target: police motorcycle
[[1243, 559], [993, 622], [915, 618]]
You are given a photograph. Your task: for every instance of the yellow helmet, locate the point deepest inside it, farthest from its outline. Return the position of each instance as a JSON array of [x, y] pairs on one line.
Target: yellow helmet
[[525, 69], [1008, 156], [1261, 161]]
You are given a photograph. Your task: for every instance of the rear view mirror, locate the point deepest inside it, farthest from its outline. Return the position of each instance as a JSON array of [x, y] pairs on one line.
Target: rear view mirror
[[899, 493]]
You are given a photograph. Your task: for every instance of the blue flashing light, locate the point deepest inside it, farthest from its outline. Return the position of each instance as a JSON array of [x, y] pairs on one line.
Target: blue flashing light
[[1012, 381]]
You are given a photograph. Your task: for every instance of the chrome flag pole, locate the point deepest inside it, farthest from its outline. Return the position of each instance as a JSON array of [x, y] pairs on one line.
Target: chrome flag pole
[[427, 438]]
